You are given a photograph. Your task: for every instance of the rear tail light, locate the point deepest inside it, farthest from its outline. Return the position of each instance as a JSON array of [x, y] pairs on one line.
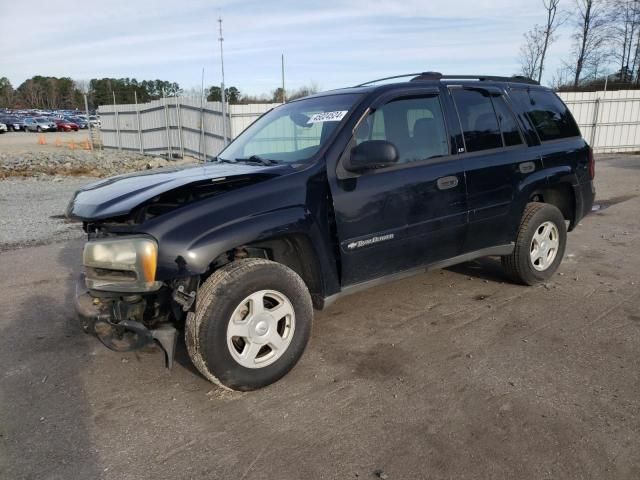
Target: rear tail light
[[592, 164]]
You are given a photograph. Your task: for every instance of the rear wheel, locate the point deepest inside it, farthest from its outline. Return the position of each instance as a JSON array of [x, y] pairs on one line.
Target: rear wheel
[[251, 324], [539, 247]]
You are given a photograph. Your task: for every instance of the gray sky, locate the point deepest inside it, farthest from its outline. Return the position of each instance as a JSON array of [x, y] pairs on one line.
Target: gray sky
[[333, 43]]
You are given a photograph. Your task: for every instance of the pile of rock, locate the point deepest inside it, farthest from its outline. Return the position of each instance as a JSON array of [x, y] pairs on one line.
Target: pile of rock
[[81, 162]]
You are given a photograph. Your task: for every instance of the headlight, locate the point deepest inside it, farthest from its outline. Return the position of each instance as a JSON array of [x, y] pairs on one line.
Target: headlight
[[121, 264]]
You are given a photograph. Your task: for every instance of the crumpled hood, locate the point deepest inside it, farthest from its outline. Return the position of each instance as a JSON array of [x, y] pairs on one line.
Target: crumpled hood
[[117, 196]]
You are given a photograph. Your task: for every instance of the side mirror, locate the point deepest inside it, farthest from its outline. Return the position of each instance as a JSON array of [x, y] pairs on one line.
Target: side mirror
[[370, 155]]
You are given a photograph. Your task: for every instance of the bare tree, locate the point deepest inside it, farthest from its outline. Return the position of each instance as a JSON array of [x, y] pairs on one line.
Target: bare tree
[[303, 91], [31, 93], [537, 42], [561, 78], [551, 6], [531, 52], [7, 93], [636, 59], [82, 86], [624, 18], [589, 39]]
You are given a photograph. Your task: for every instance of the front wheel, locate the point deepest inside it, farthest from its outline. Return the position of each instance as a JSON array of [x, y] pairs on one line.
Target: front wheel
[[251, 324], [539, 247]]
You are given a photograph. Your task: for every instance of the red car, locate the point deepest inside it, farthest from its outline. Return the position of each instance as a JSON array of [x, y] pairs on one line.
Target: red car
[[66, 126]]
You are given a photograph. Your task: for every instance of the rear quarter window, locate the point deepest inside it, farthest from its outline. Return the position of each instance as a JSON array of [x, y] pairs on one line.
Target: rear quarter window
[[546, 112]]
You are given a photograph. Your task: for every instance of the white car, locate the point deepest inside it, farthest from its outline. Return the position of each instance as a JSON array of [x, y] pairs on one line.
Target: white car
[[3, 128]]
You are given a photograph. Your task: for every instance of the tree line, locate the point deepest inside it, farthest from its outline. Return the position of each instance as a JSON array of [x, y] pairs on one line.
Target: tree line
[[278, 95], [65, 93], [605, 35]]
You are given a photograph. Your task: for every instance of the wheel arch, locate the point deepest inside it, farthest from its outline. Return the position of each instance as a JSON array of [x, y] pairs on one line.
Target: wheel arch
[[294, 250], [560, 195]]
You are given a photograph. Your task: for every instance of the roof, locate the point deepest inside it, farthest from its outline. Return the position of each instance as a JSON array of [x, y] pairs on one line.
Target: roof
[[429, 78]]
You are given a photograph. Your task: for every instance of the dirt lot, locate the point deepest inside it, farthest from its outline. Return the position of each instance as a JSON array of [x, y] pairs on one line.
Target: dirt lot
[[18, 142], [451, 374]]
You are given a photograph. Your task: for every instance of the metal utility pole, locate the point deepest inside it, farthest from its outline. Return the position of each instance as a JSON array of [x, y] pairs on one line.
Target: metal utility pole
[[284, 95], [115, 109], [86, 111], [202, 147], [135, 97], [223, 96]]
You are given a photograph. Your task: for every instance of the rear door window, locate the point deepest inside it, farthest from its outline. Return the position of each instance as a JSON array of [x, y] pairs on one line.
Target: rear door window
[[546, 112], [508, 125], [477, 119]]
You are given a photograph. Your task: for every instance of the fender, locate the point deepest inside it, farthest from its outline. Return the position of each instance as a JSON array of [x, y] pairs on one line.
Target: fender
[[524, 190], [561, 175], [541, 180], [180, 258]]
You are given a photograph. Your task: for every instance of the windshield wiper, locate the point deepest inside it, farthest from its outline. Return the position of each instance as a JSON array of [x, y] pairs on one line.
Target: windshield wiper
[[222, 160], [257, 160]]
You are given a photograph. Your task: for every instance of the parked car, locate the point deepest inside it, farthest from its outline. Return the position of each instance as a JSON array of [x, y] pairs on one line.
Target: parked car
[[64, 125], [322, 197], [13, 123], [95, 121], [80, 122], [39, 124], [3, 128]]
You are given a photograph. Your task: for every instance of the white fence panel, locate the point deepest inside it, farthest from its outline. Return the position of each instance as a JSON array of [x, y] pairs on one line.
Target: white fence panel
[[609, 121], [175, 126]]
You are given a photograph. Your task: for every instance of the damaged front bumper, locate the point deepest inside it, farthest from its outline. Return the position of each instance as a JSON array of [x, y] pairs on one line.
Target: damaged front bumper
[[108, 317]]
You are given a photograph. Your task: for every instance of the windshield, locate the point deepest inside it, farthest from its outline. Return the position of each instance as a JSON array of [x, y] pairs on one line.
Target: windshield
[[292, 132]]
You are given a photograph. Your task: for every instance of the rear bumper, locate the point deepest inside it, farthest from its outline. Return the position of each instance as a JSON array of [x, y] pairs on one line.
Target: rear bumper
[[585, 195], [98, 317]]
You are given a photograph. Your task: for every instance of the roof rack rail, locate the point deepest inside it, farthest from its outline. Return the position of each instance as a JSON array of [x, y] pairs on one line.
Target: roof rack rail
[[417, 77], [389, 78]]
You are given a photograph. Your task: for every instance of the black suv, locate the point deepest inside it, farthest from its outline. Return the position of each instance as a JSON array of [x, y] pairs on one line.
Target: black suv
[[322, 197]]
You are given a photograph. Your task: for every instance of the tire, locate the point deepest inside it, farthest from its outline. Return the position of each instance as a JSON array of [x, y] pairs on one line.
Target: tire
[[39, 130], [223, 305], [520, 266]]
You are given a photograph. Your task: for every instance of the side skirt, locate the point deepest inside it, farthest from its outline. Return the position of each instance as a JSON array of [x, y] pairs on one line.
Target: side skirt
[[499, 250]]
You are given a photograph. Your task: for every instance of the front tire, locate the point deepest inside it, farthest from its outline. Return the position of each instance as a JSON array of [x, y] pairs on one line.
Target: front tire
[[540, 245], [251, 324]]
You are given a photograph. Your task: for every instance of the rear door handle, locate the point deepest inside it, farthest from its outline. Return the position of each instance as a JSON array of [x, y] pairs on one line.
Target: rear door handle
[[447, 182]]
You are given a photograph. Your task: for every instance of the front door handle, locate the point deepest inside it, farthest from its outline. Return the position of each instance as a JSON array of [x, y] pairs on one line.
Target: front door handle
[[445, 183]]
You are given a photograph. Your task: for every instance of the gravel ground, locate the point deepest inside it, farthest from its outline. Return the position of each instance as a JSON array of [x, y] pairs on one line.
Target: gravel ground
[[32, 210], [21, 156]]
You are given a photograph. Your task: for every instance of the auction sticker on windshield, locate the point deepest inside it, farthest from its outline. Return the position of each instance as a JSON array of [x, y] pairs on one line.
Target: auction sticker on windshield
[[328, 116]]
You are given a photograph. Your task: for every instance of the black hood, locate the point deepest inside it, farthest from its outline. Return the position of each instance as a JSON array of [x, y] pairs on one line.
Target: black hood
[[117, 196]]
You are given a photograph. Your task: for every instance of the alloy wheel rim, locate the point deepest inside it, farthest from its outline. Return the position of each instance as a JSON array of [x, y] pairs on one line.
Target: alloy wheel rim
[[544, 246], [261, 328]]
